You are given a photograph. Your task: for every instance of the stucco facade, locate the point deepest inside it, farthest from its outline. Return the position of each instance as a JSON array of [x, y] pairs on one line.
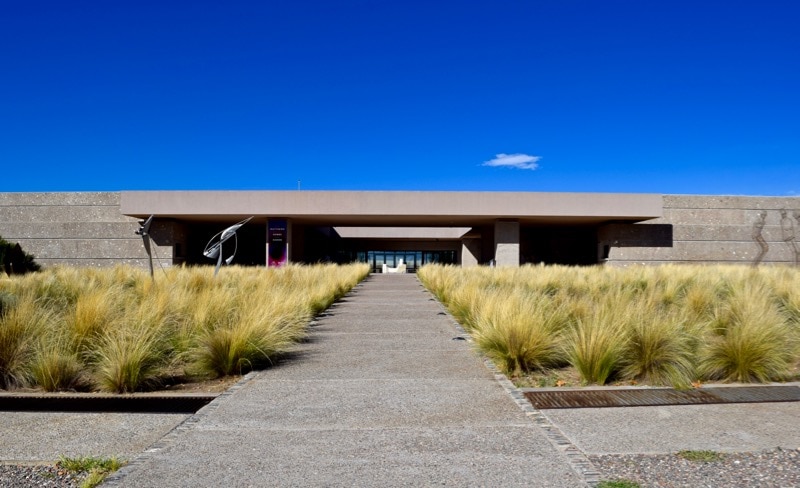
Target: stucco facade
[[98, 228], [715, 229], [80, 229]]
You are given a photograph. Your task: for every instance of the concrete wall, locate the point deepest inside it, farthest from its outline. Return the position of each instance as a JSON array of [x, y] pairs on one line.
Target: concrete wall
[[711, 229], [77, 229], [470, 251], [89, 229], [506, 243]]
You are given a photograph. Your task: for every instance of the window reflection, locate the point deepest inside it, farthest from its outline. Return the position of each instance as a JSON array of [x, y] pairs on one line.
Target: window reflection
[[412, 259]]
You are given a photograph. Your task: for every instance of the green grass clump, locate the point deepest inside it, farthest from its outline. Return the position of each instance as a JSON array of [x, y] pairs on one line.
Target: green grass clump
[[96, 469], [700, 456], [621, 483], [7, 301]]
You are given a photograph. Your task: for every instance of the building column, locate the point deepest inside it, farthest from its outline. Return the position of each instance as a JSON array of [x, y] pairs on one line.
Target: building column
[[506, 243], [470, 251]]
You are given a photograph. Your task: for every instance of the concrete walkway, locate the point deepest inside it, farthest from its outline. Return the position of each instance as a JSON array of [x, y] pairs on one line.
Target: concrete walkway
[[381, 395]]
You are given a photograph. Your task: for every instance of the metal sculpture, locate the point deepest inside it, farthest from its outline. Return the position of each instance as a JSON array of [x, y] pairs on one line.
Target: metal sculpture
[[144, 231], [213, 249]]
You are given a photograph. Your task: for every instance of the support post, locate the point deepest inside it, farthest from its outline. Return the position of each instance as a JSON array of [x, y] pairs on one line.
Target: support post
[[506, 243]]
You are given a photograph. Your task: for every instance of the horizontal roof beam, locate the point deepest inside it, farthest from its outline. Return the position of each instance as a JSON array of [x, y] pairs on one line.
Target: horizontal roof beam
[[392, 208]]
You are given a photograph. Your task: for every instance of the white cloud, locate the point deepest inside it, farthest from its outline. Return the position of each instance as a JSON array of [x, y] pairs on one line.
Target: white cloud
[[519, 161]]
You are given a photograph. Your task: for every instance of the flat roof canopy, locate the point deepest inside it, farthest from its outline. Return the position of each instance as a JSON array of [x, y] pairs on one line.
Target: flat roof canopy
[[394, 208]]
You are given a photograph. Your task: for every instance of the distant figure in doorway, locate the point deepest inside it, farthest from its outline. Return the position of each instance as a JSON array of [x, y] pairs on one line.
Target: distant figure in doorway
[[758, 228], [787, 230]]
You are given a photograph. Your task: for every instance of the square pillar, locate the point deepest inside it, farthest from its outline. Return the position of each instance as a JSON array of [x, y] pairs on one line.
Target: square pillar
[[470, 251], [506, 243]]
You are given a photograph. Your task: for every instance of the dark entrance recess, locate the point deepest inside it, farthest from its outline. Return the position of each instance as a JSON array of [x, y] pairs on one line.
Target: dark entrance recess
[[252, 240], [320, 245], [558, 245]]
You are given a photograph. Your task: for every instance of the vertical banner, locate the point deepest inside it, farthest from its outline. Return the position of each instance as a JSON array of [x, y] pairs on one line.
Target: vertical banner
[[277, 243]]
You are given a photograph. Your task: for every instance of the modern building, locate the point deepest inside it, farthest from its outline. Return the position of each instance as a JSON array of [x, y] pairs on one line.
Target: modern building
[[467, 228]]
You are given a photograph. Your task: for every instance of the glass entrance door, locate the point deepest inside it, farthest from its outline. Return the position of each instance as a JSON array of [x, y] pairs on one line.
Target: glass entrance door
[[412, 259]]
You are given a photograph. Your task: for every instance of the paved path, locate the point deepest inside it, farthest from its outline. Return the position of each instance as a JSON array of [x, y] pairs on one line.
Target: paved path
[[381, 395], [660, 430]]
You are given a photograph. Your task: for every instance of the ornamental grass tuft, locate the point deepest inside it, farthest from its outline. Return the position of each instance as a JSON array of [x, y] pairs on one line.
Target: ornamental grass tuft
[[519, 334], [596, 347], [751, 340], [661, 325], [21, 327], [118, 330], [660, 350], [55, 367]]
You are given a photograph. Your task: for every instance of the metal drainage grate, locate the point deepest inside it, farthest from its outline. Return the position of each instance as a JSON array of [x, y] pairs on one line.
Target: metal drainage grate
[[660, 396], [107, 404]]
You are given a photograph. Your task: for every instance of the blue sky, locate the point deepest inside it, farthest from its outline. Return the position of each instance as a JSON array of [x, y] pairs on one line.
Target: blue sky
[[692, 97]]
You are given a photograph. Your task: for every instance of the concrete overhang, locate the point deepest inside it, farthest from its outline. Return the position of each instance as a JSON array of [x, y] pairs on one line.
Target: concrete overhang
[[394, 208]]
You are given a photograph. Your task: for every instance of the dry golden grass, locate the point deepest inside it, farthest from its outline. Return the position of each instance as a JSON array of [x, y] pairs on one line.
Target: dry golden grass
[[520, 334], [21, 327], [118, 330], [752, 340], [656, 325]]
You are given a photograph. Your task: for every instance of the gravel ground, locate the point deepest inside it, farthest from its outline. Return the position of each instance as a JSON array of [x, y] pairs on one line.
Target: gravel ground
[[773, 468], [37, 476]]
